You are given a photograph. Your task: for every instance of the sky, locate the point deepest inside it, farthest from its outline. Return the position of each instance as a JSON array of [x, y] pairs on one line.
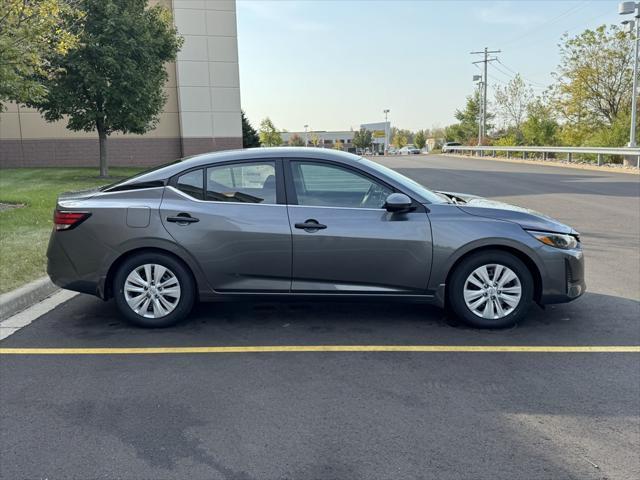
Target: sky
[[334, 64]]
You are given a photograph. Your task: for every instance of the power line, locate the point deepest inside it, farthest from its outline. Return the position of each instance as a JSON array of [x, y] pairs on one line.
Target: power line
[[603, 14], [518, 73], [511, 78], [549, 22]]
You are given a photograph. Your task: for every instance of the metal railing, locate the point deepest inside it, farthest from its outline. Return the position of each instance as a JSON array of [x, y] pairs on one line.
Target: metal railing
[[569, 152]]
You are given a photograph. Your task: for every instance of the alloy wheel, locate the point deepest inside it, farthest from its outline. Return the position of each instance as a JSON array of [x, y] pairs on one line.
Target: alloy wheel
[[492, 291], [152, 290]]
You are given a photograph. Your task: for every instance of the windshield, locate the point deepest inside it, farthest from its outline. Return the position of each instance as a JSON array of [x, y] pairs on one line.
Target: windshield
[[430, 196]]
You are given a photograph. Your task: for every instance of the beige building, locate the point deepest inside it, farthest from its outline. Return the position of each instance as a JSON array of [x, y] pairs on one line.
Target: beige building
[[202, 112]]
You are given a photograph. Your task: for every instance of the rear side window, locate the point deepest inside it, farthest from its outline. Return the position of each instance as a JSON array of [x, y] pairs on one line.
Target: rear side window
[[242, 183], [192, 183]]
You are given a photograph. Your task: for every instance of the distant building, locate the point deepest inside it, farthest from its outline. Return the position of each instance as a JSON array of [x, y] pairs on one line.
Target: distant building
[[379, 132], [433, 142], [327, 139]]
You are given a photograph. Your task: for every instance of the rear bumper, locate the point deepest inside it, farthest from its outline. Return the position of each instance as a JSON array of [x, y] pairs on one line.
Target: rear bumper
[[62, 271], [564, 279]]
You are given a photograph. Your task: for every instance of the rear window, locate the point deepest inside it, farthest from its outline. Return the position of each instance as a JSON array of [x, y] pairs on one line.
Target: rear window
[[132, 183], [192, 183]]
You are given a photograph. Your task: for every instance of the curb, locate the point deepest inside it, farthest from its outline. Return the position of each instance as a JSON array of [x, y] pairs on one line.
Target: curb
[[16, 300], [548, 163]]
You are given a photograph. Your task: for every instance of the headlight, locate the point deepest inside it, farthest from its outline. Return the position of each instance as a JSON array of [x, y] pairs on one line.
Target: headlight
[[558, 240]]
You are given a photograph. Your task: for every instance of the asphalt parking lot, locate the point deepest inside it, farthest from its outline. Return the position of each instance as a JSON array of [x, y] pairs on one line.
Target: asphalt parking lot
[[321, 414]]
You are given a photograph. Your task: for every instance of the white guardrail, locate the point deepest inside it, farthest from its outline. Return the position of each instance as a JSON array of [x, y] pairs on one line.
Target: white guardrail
[[569, 152]]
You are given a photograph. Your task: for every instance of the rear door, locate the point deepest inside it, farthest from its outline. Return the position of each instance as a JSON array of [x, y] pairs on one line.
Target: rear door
[[233, 220], [344, 241]]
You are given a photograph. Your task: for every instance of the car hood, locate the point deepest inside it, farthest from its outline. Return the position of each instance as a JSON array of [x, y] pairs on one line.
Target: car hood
[[526, 218]]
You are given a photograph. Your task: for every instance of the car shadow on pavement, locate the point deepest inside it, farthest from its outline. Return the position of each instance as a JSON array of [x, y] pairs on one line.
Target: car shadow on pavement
[[89, 322]]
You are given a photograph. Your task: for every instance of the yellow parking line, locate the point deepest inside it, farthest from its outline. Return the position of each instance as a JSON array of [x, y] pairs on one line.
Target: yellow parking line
[[321, 348]]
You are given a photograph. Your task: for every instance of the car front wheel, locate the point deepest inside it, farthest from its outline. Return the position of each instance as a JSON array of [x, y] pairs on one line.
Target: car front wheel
[[154, 290], [491, 289]]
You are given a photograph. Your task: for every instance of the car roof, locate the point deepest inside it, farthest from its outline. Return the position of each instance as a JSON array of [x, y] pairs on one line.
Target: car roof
[[269, 152], [194, 161], [165, 172]]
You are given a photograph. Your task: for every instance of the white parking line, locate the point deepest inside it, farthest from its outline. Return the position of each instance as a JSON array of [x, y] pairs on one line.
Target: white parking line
[[14, 323]]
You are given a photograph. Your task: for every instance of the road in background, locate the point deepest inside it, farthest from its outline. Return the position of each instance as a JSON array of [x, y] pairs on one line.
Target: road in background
[[603, 206], [351, 415]]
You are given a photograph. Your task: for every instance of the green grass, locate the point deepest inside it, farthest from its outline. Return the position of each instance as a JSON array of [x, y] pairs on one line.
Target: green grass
[[24, 232]]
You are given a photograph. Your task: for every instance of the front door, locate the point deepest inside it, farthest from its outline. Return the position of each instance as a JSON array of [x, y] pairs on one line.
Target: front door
[[344, 241], [232, 219]]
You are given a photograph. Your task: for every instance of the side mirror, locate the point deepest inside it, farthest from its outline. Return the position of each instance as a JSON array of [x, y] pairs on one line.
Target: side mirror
[[398, 202]]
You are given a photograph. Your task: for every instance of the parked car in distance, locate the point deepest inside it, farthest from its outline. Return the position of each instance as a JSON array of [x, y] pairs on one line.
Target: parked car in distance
[[306, 223], [409, 150], [446, 149]]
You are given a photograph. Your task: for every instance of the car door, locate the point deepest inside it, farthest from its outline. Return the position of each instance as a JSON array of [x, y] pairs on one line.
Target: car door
[[233, 220], [344, 241]]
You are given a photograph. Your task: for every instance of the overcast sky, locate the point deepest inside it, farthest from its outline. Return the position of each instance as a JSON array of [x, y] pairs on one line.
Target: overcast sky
[[334, 64]]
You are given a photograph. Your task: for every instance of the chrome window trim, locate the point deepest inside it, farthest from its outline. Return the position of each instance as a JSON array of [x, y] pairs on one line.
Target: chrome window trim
[[181, 193], [341, 208], [189, 197], [128, 191]]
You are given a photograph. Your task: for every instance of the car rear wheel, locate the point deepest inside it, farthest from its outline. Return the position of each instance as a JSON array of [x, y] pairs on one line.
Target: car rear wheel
[[491, 289], [154, 290]]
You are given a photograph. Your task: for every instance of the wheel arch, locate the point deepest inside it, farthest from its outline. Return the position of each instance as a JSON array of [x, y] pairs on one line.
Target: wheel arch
[[115, 265], [521, 255]]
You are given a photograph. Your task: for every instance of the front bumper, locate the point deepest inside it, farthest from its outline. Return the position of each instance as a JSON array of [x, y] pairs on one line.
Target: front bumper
[[563, 280]]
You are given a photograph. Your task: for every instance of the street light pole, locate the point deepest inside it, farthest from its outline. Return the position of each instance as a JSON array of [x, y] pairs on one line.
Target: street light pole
[[626, 8], [634, 95], [386, 130], [306, 136]]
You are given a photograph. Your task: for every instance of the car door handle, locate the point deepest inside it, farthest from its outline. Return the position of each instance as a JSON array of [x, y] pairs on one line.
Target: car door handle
[[183, 218], [310, 224]]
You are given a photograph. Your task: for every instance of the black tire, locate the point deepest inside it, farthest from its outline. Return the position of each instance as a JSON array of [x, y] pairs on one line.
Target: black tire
[[182, 274], [455, 290]]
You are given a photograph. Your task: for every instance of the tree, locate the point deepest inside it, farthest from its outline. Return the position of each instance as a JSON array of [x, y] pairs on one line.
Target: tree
[[540, 127], [420, 140], [593, 79], [314, 140], [296, 140], [112, 81], [31, 32], [362, 138], [269, 135], [512, 101], [338, 145], [250, 136], [467, 129], [399, 139]]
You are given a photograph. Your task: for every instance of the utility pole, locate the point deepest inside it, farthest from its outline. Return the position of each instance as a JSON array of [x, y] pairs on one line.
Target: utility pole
[[478, 78], [485, 82]]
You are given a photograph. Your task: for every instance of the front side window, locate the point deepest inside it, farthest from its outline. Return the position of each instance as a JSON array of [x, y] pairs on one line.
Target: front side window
[[242, 182], [327, 185]]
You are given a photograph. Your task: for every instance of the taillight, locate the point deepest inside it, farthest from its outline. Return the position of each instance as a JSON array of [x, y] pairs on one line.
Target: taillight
[[68, 220]]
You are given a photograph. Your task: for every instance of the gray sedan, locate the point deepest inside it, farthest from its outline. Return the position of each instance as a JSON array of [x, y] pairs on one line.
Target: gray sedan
[[305, 223]]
